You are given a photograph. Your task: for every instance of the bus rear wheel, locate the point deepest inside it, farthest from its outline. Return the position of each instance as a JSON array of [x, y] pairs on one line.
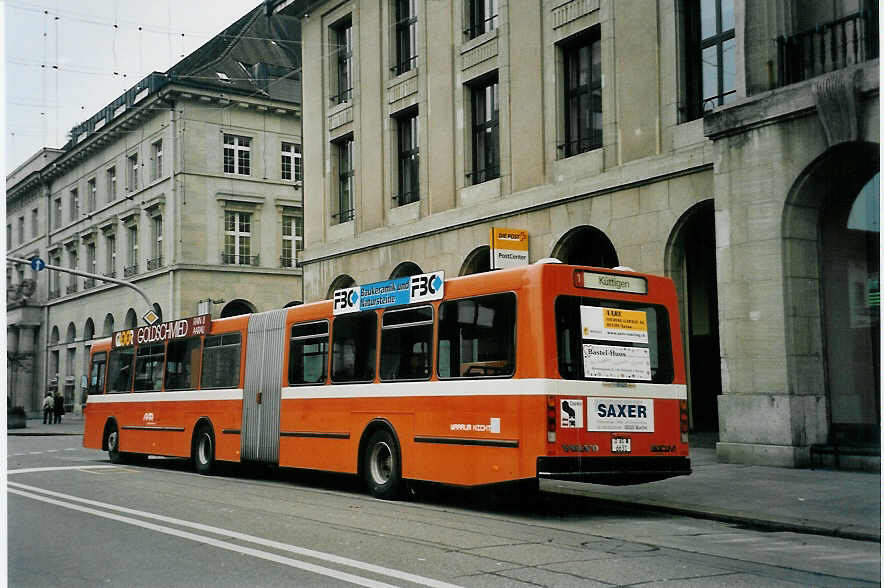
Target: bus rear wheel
[[382, 466], [203, 451]]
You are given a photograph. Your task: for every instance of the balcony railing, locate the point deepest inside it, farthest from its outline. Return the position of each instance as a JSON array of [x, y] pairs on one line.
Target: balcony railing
[[155, 263], [234, 259], [344, 216], [72, 288], [130, 270], [54, 294], [828, 47], [110, 274], [88, 283]]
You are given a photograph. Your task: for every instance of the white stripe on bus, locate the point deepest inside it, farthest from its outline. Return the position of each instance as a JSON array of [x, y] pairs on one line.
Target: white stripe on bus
[[449, 388]]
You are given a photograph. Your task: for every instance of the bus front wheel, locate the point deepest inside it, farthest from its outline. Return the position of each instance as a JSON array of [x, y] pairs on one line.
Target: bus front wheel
[[382, 466], [203, 450], [113, 446]]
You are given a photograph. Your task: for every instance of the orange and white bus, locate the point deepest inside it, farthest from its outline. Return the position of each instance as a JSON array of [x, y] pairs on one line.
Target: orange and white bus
[[542, 371]]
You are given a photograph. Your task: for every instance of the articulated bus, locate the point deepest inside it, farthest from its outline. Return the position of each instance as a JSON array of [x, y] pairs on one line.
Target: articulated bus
[[542, 371]]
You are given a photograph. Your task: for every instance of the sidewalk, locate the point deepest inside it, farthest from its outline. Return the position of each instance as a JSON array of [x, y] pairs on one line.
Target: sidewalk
[[71, 424], [825, 502]]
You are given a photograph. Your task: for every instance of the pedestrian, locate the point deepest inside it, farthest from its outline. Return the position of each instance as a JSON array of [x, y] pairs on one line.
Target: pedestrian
[[48, 403], [59, 407]]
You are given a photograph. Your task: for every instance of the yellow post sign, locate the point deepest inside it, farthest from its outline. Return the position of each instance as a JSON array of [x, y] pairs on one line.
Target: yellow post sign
[[509, 247]]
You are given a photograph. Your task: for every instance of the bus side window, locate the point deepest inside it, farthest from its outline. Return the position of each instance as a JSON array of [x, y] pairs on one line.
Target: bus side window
[[119, 370], [406, 344], [353, 347], [97, 373], [477, 337], [308, 353], [149, 367], [221, 357], [181, 357]]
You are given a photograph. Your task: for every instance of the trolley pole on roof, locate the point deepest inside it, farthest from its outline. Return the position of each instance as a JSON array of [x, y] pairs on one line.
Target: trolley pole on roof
[[38, 264]]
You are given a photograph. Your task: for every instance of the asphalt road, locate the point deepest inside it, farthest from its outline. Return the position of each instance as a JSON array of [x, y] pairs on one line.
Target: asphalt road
[[75, 520]]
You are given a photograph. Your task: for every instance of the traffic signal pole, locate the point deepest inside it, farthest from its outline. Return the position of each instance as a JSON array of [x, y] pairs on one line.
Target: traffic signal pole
[[68, 270]]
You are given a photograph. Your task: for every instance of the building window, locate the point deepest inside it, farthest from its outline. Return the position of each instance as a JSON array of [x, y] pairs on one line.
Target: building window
[[8, 237], [408, 158], [292, 163], [344, 160], [292, 240], [35, 222], [111, 262], [92, 195], [132, 251], [485, 137], [56, 213], [132, 168], [72, 263], [237, 154], [21, 229], [157, 160], [111, 184], [406, 36], [342, 43], [55, 276], [710, 50], [238, 238], [156, 259], [481, 17], [75, 205], [90, 264], [582, 72]]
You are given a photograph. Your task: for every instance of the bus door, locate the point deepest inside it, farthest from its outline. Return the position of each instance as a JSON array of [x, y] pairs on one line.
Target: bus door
[[263, 387]]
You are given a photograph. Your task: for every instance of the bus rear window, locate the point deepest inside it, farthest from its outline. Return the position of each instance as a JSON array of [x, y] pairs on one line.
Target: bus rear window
[[613, 340], [477, 337]]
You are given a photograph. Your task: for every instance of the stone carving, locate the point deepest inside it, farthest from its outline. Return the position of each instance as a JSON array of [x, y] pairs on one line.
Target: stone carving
[[837, 104]]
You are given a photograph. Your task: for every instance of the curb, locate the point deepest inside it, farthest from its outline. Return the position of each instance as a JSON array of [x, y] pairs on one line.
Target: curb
[[786, 524]]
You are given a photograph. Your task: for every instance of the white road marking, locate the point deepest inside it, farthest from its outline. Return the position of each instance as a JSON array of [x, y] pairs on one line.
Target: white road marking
[[328, 557], [57, 468], [359, 581]]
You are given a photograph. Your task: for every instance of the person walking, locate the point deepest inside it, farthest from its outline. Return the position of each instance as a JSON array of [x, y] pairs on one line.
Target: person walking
[[48, 404], [59, 407]]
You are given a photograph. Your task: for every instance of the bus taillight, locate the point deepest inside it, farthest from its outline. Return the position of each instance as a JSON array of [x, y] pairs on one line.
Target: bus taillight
[[550, 419], [683, 412]]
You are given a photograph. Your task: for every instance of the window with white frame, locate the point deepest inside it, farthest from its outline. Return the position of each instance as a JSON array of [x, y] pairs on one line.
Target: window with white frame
[[157, 241], [75, 205], [237, 155], [481, 17], [132, 170], [292, 164], [132, 251], [90, 263], [292, 239], [111, 184], [238, 238], [157, 159], [341, 40], [91, 195], [405, 15], [344, 211], [110, 242], [408, 159], [72, 263]]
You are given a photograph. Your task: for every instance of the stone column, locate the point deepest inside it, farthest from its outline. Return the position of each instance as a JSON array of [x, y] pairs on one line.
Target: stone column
[[12, 349], [27, 395]]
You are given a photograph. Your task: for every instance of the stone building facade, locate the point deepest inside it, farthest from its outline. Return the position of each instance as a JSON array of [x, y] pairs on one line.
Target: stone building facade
[[683, 138], [187, 186]]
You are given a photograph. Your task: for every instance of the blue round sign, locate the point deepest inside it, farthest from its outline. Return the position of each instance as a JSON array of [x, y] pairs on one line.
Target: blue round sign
[[37, 264]]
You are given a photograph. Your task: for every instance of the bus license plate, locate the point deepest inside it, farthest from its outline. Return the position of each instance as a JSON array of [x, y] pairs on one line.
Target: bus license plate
[[621, 445]]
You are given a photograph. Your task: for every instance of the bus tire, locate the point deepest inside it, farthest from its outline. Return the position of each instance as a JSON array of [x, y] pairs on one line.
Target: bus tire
[[203, 452], [382, 466], [113, 446]]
